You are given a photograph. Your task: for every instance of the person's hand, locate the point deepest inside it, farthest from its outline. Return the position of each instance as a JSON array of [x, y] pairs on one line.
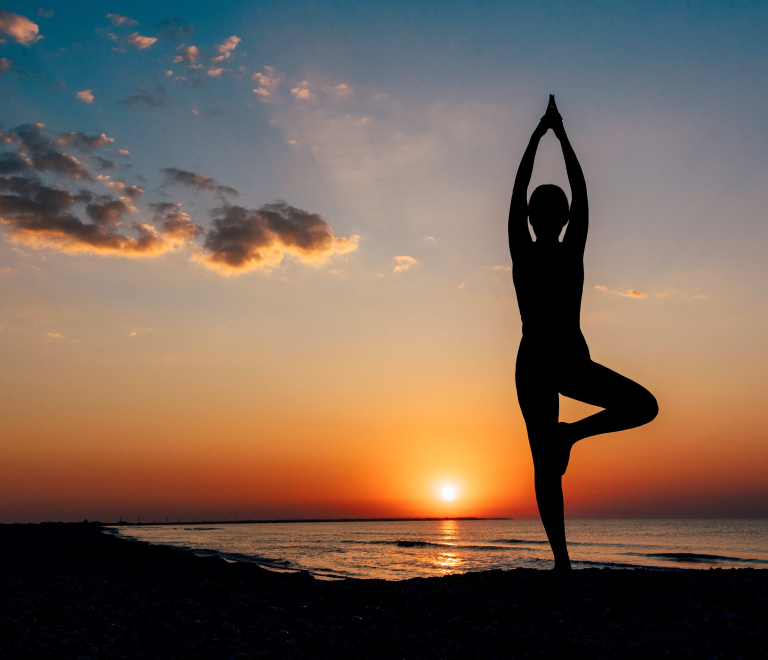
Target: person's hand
[[552, 118]]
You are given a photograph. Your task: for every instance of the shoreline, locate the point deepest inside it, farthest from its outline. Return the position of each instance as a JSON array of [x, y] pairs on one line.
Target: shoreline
[[68, 588]]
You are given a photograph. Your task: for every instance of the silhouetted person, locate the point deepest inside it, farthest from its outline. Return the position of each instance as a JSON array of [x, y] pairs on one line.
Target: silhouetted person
[[553, 356]]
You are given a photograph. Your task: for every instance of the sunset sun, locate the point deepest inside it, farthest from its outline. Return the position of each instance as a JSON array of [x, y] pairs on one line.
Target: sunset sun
[[448, 493]]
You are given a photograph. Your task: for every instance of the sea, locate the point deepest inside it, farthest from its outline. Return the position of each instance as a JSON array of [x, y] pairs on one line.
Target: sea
[[399, 550]]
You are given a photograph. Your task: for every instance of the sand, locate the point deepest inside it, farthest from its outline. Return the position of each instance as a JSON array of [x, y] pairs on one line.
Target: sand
[[69, 591]]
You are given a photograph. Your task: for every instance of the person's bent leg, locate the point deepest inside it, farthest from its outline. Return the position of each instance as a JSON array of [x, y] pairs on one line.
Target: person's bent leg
[[627, 404]]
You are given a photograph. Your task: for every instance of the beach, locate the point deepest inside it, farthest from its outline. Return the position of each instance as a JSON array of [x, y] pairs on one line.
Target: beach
[[70, 591]]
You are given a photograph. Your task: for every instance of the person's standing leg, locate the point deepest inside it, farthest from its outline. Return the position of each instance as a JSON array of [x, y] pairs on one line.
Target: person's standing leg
[[540, 406]]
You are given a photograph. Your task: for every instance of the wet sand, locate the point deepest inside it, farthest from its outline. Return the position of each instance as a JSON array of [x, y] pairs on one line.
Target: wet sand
[[69, 591]]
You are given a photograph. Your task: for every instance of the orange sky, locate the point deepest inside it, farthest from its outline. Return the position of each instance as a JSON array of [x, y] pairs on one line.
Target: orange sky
[[350, 350]]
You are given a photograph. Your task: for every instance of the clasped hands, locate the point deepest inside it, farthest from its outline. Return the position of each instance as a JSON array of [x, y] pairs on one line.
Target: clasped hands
[[551, 119]]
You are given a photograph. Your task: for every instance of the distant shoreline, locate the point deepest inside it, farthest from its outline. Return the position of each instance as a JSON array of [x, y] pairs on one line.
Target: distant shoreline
[[122, 523]]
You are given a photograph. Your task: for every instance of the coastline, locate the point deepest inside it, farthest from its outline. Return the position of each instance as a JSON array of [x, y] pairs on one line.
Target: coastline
[[70, 591]]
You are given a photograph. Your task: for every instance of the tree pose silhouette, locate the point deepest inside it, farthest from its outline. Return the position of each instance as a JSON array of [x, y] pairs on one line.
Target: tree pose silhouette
[[553, 357]]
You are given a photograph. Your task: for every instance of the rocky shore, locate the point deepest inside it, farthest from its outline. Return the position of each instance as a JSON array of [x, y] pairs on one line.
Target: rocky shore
[[70, 591]]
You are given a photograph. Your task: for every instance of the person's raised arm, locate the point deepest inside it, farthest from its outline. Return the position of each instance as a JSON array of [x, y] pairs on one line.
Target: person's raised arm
[[578, 218], [519, 236]]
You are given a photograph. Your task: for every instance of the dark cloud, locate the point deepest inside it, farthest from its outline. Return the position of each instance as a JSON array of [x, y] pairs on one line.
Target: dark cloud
[[143, 101], [103, 163], [82, 141], [149, 99], [174, 28], [11, 163], [41, 216], [174, 223], [246, 239], [5, 65], [192, 180], [109, 212], [39, 148]]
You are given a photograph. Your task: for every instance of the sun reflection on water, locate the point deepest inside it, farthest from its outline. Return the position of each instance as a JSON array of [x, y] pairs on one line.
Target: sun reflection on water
[[448, 562]]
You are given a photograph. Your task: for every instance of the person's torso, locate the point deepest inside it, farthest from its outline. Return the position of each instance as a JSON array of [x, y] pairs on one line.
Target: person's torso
[[549, 282]]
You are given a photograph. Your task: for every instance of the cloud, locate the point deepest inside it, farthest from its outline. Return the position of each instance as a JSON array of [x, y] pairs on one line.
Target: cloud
[[190, 54], [175, 225], [41, 217], [45, 13], [302, 93], [82, 141], [268, 84], [661, 294], [504, 268], [53, 335], [139, 42], [145, 99], [215, 73], [19, 28], [5, 65], [628, 294], [429, 239], [225, 49], [109, 212], [13, 163], [85, 95], [117, 19], [103, 163], [403, 263], [39, 153], [249, 239], [127, 191], [124, 152], [341, 91], [173, 28], [193, 180]]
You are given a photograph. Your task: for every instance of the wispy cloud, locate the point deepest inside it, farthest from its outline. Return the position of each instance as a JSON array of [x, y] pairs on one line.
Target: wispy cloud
[[190, 54], [193, 180], [504, 268], [268, 84], [631, 293], [225, 49], [149, 100], [140, 42], [118, 19], [340, 91], [82, 141], [403, 263], [302, 92]]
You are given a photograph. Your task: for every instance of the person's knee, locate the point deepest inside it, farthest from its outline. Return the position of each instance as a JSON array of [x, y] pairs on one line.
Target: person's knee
[[648, 406]]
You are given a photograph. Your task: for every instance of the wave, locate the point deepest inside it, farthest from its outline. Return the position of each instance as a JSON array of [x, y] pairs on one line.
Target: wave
[[697, 557], [199, 529], [521, 541]]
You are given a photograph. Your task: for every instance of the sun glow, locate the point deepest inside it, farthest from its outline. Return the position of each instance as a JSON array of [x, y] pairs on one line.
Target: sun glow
[[448, 493]]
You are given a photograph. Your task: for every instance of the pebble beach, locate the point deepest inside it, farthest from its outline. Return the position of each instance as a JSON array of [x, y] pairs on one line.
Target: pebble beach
[[71, 591]]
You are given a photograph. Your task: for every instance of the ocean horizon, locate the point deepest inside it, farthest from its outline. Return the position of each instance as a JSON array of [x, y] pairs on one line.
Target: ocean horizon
[[396, 549]]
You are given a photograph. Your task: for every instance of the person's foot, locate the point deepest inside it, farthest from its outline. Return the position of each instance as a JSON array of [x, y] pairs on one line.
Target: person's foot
[[563, 566], [565, 442]]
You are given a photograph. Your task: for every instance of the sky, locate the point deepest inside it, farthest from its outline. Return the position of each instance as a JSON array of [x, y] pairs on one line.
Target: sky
[[254, 263]]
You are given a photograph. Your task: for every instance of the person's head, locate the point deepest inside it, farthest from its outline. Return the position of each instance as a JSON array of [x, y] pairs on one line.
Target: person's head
[[548, 212]]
